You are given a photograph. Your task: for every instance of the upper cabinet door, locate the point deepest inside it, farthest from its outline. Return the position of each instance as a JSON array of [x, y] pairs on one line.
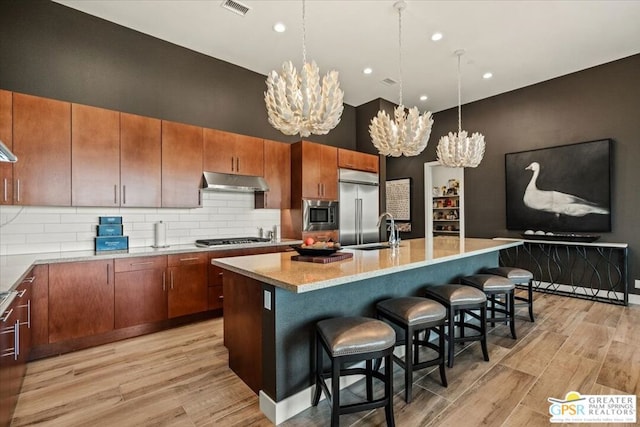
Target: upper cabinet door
[[349, 159], [329, 172], [140, 161], [277, 174], [6, 136], [95, 156], [219, 151], [319, 170], [228, 152], [181, 164], [42, 142]]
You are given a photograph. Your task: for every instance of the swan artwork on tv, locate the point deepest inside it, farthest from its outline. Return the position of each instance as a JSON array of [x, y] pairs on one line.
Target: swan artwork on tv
[[562, 188], [557, 202]]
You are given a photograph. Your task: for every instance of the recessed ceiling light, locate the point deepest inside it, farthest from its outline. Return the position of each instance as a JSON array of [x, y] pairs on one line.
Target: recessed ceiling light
[[279, 27], [436, 36], [423, 97], [367, 70], [487, 75]]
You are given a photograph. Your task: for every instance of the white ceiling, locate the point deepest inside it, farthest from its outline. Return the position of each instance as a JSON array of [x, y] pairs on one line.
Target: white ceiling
[[520, 42]]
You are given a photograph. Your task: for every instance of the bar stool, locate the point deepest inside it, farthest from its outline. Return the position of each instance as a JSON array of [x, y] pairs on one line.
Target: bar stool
[[494, 286], [414, 315], [348, 340], [462, 300], [518, 276]]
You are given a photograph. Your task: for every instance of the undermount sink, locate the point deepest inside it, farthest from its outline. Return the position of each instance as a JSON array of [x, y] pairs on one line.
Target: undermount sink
[[370, 247]]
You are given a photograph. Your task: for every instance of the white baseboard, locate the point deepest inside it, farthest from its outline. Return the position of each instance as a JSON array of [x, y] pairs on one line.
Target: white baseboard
[[279, 412]]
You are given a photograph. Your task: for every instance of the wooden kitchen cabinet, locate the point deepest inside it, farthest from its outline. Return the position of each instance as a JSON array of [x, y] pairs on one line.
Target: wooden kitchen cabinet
[[95, 156], [350, 159], [140, 290], [10, 366], [81, 299], [233, 153], [6, 136], [181, 165], [42, 142], [15, 344], [314, 169], [277, 174], [187, 283], [39, 279], [140, 161]]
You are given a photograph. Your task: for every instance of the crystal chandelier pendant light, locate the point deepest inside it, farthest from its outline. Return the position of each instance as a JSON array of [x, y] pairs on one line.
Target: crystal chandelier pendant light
[[460, 150], [298, 103], [408, 132]]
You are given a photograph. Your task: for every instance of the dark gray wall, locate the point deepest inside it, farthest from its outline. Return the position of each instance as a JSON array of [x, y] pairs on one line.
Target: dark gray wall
[[597, 103], [50, 50]]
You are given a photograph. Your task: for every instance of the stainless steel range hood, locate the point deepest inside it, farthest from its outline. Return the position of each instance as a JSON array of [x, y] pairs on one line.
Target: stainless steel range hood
[[6, 155], [214, 181]]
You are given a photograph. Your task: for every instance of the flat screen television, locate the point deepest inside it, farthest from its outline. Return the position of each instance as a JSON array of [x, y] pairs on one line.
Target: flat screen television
[[565, 188]]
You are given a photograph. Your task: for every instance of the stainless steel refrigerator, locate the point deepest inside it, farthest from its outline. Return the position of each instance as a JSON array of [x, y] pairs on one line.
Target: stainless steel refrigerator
[[358, 207]]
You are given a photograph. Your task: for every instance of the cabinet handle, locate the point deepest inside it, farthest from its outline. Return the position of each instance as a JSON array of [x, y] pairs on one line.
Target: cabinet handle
[[171, 281], [231, 163], [6, 316], [195, 258], [29, 279], [21, 294], [124, 194], [164, 287], [107, 274], [220, 274], [141, 263], [5, 190], [28, 314], [237, 164], [319, 193], [221, 297], [18, 189], [115, 194], [16, 340]]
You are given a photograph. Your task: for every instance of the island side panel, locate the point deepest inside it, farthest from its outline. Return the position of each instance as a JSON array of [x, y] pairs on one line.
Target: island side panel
[[243, 327], [288, 328]]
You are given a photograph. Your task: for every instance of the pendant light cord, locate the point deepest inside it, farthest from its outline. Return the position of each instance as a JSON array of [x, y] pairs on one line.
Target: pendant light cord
[[304, 35], [400, 7], [459, 98]]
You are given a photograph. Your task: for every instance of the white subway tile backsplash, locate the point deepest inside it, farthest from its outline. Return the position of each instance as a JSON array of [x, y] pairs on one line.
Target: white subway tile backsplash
[[51, 229]]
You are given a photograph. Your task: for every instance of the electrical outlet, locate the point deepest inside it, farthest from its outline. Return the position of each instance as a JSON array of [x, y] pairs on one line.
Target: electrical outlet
[[637, 285], [267, 300]]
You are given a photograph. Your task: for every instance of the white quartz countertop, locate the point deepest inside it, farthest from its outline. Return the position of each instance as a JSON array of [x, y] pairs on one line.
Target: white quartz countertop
[[13, 268], [278, 269]]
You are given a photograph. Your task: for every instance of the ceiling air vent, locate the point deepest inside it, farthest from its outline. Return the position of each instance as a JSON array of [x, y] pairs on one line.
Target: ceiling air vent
[[235, 7], [388, 81]]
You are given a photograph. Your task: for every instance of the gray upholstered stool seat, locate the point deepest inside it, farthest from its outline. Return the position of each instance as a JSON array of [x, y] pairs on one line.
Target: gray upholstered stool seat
[[519, 276], [462, 300], [348, 340], [494, 286], [414, 315]]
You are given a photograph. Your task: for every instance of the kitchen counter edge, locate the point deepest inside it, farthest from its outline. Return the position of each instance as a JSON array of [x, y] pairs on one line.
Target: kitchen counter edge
[[14, 268]]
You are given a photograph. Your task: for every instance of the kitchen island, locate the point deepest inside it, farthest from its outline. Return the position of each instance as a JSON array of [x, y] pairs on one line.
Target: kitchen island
[[272, 303]]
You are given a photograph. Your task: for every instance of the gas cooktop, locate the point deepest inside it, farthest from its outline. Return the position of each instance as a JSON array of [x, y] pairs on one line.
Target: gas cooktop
[[205, 243]]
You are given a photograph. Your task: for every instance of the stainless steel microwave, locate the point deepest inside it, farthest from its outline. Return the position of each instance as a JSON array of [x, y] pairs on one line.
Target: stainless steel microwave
[[319, 215]]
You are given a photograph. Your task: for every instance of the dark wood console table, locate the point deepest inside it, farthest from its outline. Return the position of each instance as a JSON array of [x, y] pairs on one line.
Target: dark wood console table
[[594, 271]]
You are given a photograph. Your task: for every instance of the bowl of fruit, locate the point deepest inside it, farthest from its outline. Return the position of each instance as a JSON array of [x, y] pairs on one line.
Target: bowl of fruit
[[312, 247]]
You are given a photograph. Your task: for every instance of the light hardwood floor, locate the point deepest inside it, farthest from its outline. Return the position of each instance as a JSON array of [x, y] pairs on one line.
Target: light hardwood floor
[[180, 377]]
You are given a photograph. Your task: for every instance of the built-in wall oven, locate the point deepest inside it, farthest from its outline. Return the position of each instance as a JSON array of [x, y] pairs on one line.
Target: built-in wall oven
[[319, 215]]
